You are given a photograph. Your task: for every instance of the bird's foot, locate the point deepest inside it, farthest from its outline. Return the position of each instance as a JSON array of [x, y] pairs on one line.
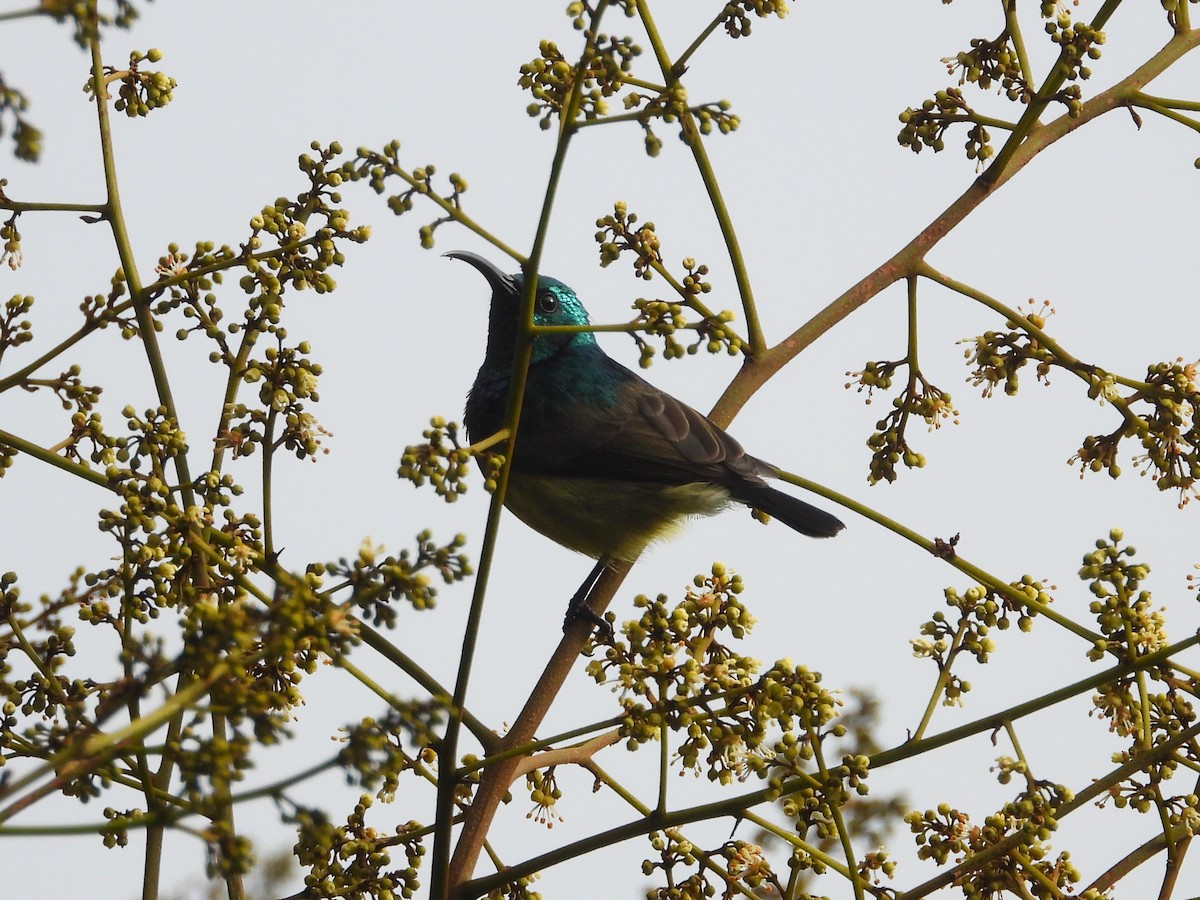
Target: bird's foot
[[578, 609]]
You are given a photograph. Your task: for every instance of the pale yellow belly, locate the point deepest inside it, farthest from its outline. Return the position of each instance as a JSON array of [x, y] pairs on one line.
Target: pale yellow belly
[[600, 516]]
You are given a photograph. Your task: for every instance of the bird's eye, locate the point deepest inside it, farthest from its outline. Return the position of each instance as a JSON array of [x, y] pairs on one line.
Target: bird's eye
[[547, 302]]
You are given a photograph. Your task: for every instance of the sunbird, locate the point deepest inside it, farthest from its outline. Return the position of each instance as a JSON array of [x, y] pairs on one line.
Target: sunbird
[[604, 462]]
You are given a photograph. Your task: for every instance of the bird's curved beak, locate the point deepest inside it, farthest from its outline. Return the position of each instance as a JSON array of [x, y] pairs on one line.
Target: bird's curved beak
[[501, 282]]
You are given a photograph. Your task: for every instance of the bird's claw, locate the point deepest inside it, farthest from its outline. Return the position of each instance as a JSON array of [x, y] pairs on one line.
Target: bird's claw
[[578, 609]]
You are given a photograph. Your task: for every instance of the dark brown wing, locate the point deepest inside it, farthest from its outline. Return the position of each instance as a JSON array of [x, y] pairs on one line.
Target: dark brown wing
[[639, 434], [642, 435]]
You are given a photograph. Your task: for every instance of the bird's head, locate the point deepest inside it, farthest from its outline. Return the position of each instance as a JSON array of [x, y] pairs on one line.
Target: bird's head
[[554, 304]]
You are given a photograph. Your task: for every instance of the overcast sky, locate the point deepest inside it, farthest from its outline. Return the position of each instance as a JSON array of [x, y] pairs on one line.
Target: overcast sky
[[1103, 225]]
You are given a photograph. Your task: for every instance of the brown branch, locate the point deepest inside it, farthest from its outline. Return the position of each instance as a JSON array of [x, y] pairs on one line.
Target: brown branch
[[496, 779], [756, 372], [579, 755]]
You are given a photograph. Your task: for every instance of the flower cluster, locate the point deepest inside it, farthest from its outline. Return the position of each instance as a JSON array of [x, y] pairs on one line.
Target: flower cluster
[[380, 166], [1011, 840], [286, 381], [15, 328], [618, 235], [90, 17], [737, 22], [920, 399], [607, 68], [927, 125], [998, 356], [1130, 624], [978, 610], [354, 859], [671, 105], [374, 579], [1078, 43], [27, 139], [999, 63], [674, 674], [550, 79], [545, 793], [140, 91], [374, 750], [11, 255], [1168, 431], [664, 319], [441, 460], [991, 62], [746, 869]]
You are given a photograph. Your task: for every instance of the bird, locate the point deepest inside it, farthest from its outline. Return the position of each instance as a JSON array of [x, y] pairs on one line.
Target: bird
[[604, 462]]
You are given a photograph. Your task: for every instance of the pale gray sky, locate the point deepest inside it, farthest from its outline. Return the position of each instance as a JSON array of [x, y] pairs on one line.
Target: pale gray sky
[[1103, 225]]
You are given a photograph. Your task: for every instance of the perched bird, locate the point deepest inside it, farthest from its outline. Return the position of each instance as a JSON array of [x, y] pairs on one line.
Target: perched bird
[[605, 462]]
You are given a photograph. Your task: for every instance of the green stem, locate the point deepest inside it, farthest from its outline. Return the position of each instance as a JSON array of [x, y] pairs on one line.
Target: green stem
[[1011, 731], [617, 788], [23, 207], [635, 82], [77, 759], [268, 461], [450, 869], [1095, 789], [448, 746], [755, 340], [910, 749], [1027, 868], [223, 814], [639, 116], [1037, 105], [911, 356], [1187, 672], [53, 459], [664, 766], [1013, 26], [835, 809], [165, 815], [980, 119], [957, 561], [681, 63], [19, 376], [52, 681], [790, 837], [942, 680], [453, 212], [1142, 97], [1158, 106], [141, 303], [233, 384], [495, 781], [147, 331], [146, 784], [22, 13], [99, 828], [1081, 370]]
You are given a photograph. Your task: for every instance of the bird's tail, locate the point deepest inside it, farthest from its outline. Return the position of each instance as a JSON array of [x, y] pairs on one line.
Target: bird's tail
[[792, 512]]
